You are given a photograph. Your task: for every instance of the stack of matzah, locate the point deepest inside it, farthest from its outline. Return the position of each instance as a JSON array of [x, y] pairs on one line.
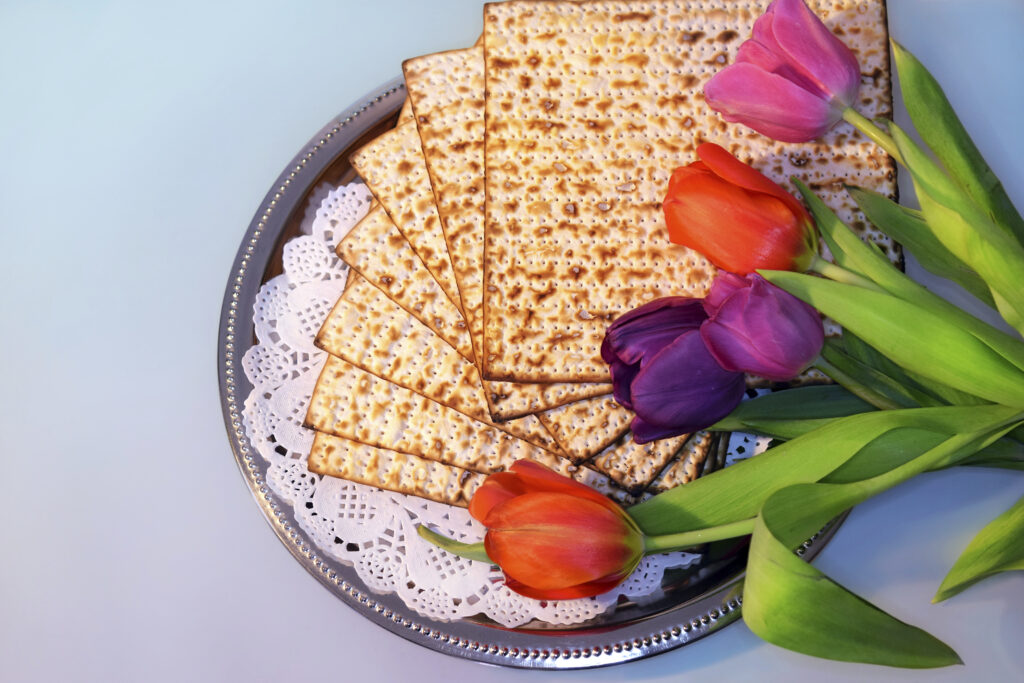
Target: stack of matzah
[[518, 213]]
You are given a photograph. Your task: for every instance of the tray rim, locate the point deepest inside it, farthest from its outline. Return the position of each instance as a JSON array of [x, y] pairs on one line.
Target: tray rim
[[562, 649]]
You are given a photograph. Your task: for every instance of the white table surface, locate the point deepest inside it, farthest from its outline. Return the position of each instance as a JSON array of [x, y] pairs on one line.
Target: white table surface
[[136, 142]]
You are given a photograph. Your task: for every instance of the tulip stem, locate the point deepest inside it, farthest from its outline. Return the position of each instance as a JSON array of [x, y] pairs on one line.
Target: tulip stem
[[866, 126], [688, 539], [840, 274], [470, 551]]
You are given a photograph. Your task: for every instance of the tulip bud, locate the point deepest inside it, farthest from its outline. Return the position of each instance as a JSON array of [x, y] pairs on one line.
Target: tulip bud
[[554, 538], [662, 371], [756, 327], [791, 81], [739, 219]]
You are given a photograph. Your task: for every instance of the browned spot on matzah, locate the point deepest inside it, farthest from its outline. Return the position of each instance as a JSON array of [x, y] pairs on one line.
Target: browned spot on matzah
[[686, 465]]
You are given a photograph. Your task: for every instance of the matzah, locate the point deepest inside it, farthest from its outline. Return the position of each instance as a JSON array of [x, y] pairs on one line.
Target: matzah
[[374, 333], [357, 405], [390, 470], [375, 249], [634, 466], [385, 165], [686, 465], [585, 428], [334, 456], [414, 202], [447, 93], [590, 107]]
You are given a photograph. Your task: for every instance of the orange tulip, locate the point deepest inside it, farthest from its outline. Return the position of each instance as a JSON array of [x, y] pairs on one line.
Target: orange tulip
[[739, 219], [555, 538]]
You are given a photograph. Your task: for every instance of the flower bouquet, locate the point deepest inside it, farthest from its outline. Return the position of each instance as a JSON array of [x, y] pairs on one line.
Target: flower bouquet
[[918, 383]]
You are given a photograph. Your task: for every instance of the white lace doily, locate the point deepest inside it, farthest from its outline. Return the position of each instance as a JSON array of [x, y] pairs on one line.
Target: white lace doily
[[374, 531]]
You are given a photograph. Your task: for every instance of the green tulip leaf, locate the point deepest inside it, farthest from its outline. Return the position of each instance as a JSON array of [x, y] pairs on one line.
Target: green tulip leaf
[[999, 547], [918, 340], [853, 253], [737, 492], [792, 604], [793, 412], [942, 131], [910, 229], [789, 603], [1007, 453], [966, 231], [891, 392]]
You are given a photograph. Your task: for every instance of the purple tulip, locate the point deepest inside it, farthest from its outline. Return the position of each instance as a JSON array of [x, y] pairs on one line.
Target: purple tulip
[[662, 371], [753, 326], [791, 80]]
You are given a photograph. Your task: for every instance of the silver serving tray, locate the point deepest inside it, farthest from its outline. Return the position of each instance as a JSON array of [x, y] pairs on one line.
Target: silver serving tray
[[691, 603]]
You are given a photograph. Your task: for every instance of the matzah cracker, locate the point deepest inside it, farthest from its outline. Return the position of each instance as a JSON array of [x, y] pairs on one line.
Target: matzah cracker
[[590, 107], [375, 249], [372, 332], [388, 165], [585, 428], [686, 465], [357, 405], [334, 456], [405, 113], [634, 466], [447, 92]]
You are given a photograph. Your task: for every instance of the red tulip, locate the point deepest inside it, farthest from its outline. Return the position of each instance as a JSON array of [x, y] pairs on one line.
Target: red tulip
[[739, 219], [791, 81], [555, 538]]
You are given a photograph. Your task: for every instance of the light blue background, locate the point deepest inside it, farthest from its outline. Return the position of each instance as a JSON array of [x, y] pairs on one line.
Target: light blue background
[[136, 142]]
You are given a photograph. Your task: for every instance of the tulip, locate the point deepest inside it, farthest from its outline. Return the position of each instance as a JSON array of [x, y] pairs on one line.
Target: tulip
[[792, 80], [755, 327], [739, 219], [662, 370], [555, 538]]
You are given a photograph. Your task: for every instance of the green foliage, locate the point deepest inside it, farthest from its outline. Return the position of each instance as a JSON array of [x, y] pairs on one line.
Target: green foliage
[[997, 548], [942, 131], [909, 228], [918, 340]]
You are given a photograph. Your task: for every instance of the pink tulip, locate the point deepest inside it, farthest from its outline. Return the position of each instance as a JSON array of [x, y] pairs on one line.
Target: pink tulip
[[753, 326], [791, 80]]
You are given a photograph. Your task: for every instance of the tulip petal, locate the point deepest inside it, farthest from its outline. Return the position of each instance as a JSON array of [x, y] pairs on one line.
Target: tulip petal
[[769, 103], [729, 168], [583, 590], [815, 50], [763, 330], [645, 330], [622, 378], [496, 489], [738, 230], [539, 479], [555, 541], [683, 387], [645, 432], [724, 285]]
